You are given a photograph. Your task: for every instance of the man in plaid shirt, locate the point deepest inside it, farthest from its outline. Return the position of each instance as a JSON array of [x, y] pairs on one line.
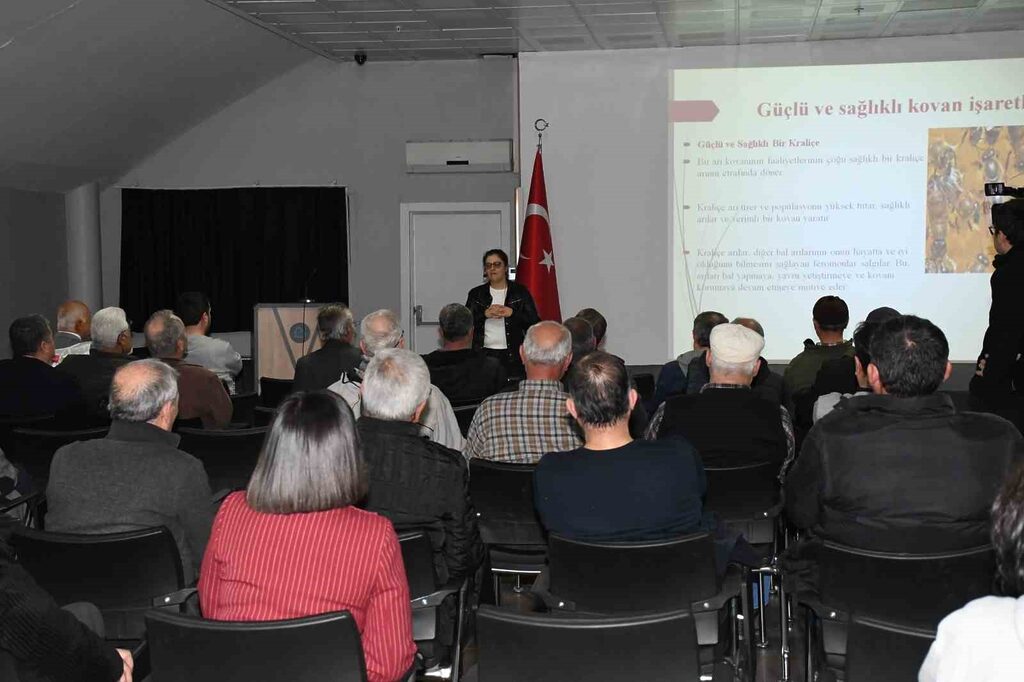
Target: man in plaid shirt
[[519, 427]]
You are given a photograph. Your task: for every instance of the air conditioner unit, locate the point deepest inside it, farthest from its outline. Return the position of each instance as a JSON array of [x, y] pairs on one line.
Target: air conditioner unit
[[480, 156]]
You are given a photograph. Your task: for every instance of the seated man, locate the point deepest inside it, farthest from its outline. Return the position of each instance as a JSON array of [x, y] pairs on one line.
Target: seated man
[[415, 482], [672, 379], [135, 477], [830, 317], [380, 330], [216, 355], [111, 348], [29, 385], [901, 470], [598, 323], [727, 422], [463, 373], [520, 426], [336, 355], [615, 488], [201, 395], [583, 339], [74, 321]]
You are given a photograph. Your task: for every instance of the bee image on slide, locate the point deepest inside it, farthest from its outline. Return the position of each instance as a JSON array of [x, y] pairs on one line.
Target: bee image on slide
[[960, 162]]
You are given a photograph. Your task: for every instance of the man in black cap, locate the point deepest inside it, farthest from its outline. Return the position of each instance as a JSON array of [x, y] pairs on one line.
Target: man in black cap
[[830, 316], [999, 376]]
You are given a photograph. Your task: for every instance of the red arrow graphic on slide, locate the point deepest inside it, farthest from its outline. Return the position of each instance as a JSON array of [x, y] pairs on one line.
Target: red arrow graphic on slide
[[692, 111]]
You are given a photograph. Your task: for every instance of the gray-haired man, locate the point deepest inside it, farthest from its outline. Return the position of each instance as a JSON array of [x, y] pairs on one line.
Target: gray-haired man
[[336, 356], [135, 477], [520, 427], [381, 330], [111, 346], [463, 373]]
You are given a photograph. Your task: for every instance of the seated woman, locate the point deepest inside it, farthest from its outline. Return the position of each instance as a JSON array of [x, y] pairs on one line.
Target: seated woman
[[984, 641], [294, 545]]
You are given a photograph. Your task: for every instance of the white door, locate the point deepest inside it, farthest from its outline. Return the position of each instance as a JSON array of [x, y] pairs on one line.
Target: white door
[[442, 251]]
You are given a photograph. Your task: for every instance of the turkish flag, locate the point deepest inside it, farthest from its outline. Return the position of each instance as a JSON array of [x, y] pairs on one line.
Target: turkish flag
[[536, 267]]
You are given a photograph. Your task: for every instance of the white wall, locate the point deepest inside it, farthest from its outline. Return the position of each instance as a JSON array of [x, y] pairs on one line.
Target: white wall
[[607, 156], [325, 123]]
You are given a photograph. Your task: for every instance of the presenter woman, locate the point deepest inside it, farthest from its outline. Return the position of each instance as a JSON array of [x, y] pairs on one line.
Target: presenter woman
[[502, 312]]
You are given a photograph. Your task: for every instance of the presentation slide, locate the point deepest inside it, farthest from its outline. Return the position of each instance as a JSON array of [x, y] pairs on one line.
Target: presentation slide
[[863, 181]]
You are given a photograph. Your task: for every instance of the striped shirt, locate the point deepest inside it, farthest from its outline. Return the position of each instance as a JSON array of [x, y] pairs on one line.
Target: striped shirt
[[520, 427], [275, 566]]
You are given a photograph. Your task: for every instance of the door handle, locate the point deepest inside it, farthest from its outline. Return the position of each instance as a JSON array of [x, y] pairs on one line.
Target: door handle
[[417, 313]]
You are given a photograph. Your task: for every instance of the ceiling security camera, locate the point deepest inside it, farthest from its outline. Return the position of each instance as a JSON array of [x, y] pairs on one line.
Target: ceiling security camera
[[360, 57]]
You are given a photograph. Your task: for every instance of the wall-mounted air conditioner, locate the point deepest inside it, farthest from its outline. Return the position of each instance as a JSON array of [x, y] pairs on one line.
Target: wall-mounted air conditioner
[[479, 156]]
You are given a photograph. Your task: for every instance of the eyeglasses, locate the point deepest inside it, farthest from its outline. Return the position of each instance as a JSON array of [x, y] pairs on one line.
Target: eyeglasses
[[494, 265], [992, 229]]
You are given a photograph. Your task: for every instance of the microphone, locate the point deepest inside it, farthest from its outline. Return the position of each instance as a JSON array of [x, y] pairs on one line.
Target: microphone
[[305, 286]]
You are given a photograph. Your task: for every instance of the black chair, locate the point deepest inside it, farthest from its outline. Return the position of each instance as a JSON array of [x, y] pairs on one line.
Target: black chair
[[645, 385], [10, 422], [905, 590], [554, 648], [883, 651], [33, 449], [273, 391], [229, 456], [311, 649], [656, 576], [243, 405], [503, 497], [464, 416], [262, 416], [426, 596], [746, 498], [123, 574]]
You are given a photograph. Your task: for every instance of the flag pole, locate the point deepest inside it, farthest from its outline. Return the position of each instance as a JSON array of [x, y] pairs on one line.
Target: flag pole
[[540, 125]]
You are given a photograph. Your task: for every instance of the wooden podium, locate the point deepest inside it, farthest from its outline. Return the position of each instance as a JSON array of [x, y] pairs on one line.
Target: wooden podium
[[282, 333]]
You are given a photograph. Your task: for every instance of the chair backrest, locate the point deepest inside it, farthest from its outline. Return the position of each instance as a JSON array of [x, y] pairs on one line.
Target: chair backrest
[[503, 497], [542, 648], [311, 649], [645, 385], [628, 577], [883, 651], [418, 557], [121, 573], [229, 455], [262, 416], [243, 405], [745, 497], [464, 416], [915, 590], [33, 449], [8, 422], [273, 391]]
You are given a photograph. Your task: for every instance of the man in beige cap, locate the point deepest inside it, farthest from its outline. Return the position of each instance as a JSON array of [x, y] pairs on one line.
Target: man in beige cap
[[728, 423]]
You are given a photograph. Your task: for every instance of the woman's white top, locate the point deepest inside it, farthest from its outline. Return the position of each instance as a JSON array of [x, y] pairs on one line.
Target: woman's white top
[[494, 327], [982, 642]]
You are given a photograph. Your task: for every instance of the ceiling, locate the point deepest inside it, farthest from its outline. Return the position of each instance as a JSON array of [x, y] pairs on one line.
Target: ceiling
[[90, 87], [464, 29]]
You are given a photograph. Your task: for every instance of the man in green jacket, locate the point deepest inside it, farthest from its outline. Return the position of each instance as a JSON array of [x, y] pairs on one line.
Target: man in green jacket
[[831, 316]]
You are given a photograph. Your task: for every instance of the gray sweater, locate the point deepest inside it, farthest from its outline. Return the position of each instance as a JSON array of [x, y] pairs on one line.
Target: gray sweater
[[134, 478]]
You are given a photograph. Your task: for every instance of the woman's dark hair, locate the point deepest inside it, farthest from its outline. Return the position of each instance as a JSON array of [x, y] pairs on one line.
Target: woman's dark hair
[[1008, 534], [311, 459], [495, 252]]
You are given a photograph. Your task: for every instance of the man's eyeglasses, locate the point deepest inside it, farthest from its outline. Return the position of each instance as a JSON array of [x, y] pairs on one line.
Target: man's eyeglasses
[[992, 229]]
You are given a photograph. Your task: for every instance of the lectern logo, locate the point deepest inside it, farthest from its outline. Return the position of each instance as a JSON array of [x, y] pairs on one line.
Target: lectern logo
[[299, 332]]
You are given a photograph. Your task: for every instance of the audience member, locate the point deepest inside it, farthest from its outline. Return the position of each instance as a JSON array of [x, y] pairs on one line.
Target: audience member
[[839, 375], [597, 322], [463, 373], [728, 423], [984, 640], [901, 470], [216, 355], [74, 320], [381, 330], [294, 543], [111, 348], [615, 488], [135, 477], [672, 379], [414, 482], [520, 426], [583, 340], [336, 355], [39, 641], [201, 395], [830, 317], [29, 385], [857, 366]]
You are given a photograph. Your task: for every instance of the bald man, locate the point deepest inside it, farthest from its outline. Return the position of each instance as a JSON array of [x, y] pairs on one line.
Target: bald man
[[74, 326], [135, 477], [520, 427]]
